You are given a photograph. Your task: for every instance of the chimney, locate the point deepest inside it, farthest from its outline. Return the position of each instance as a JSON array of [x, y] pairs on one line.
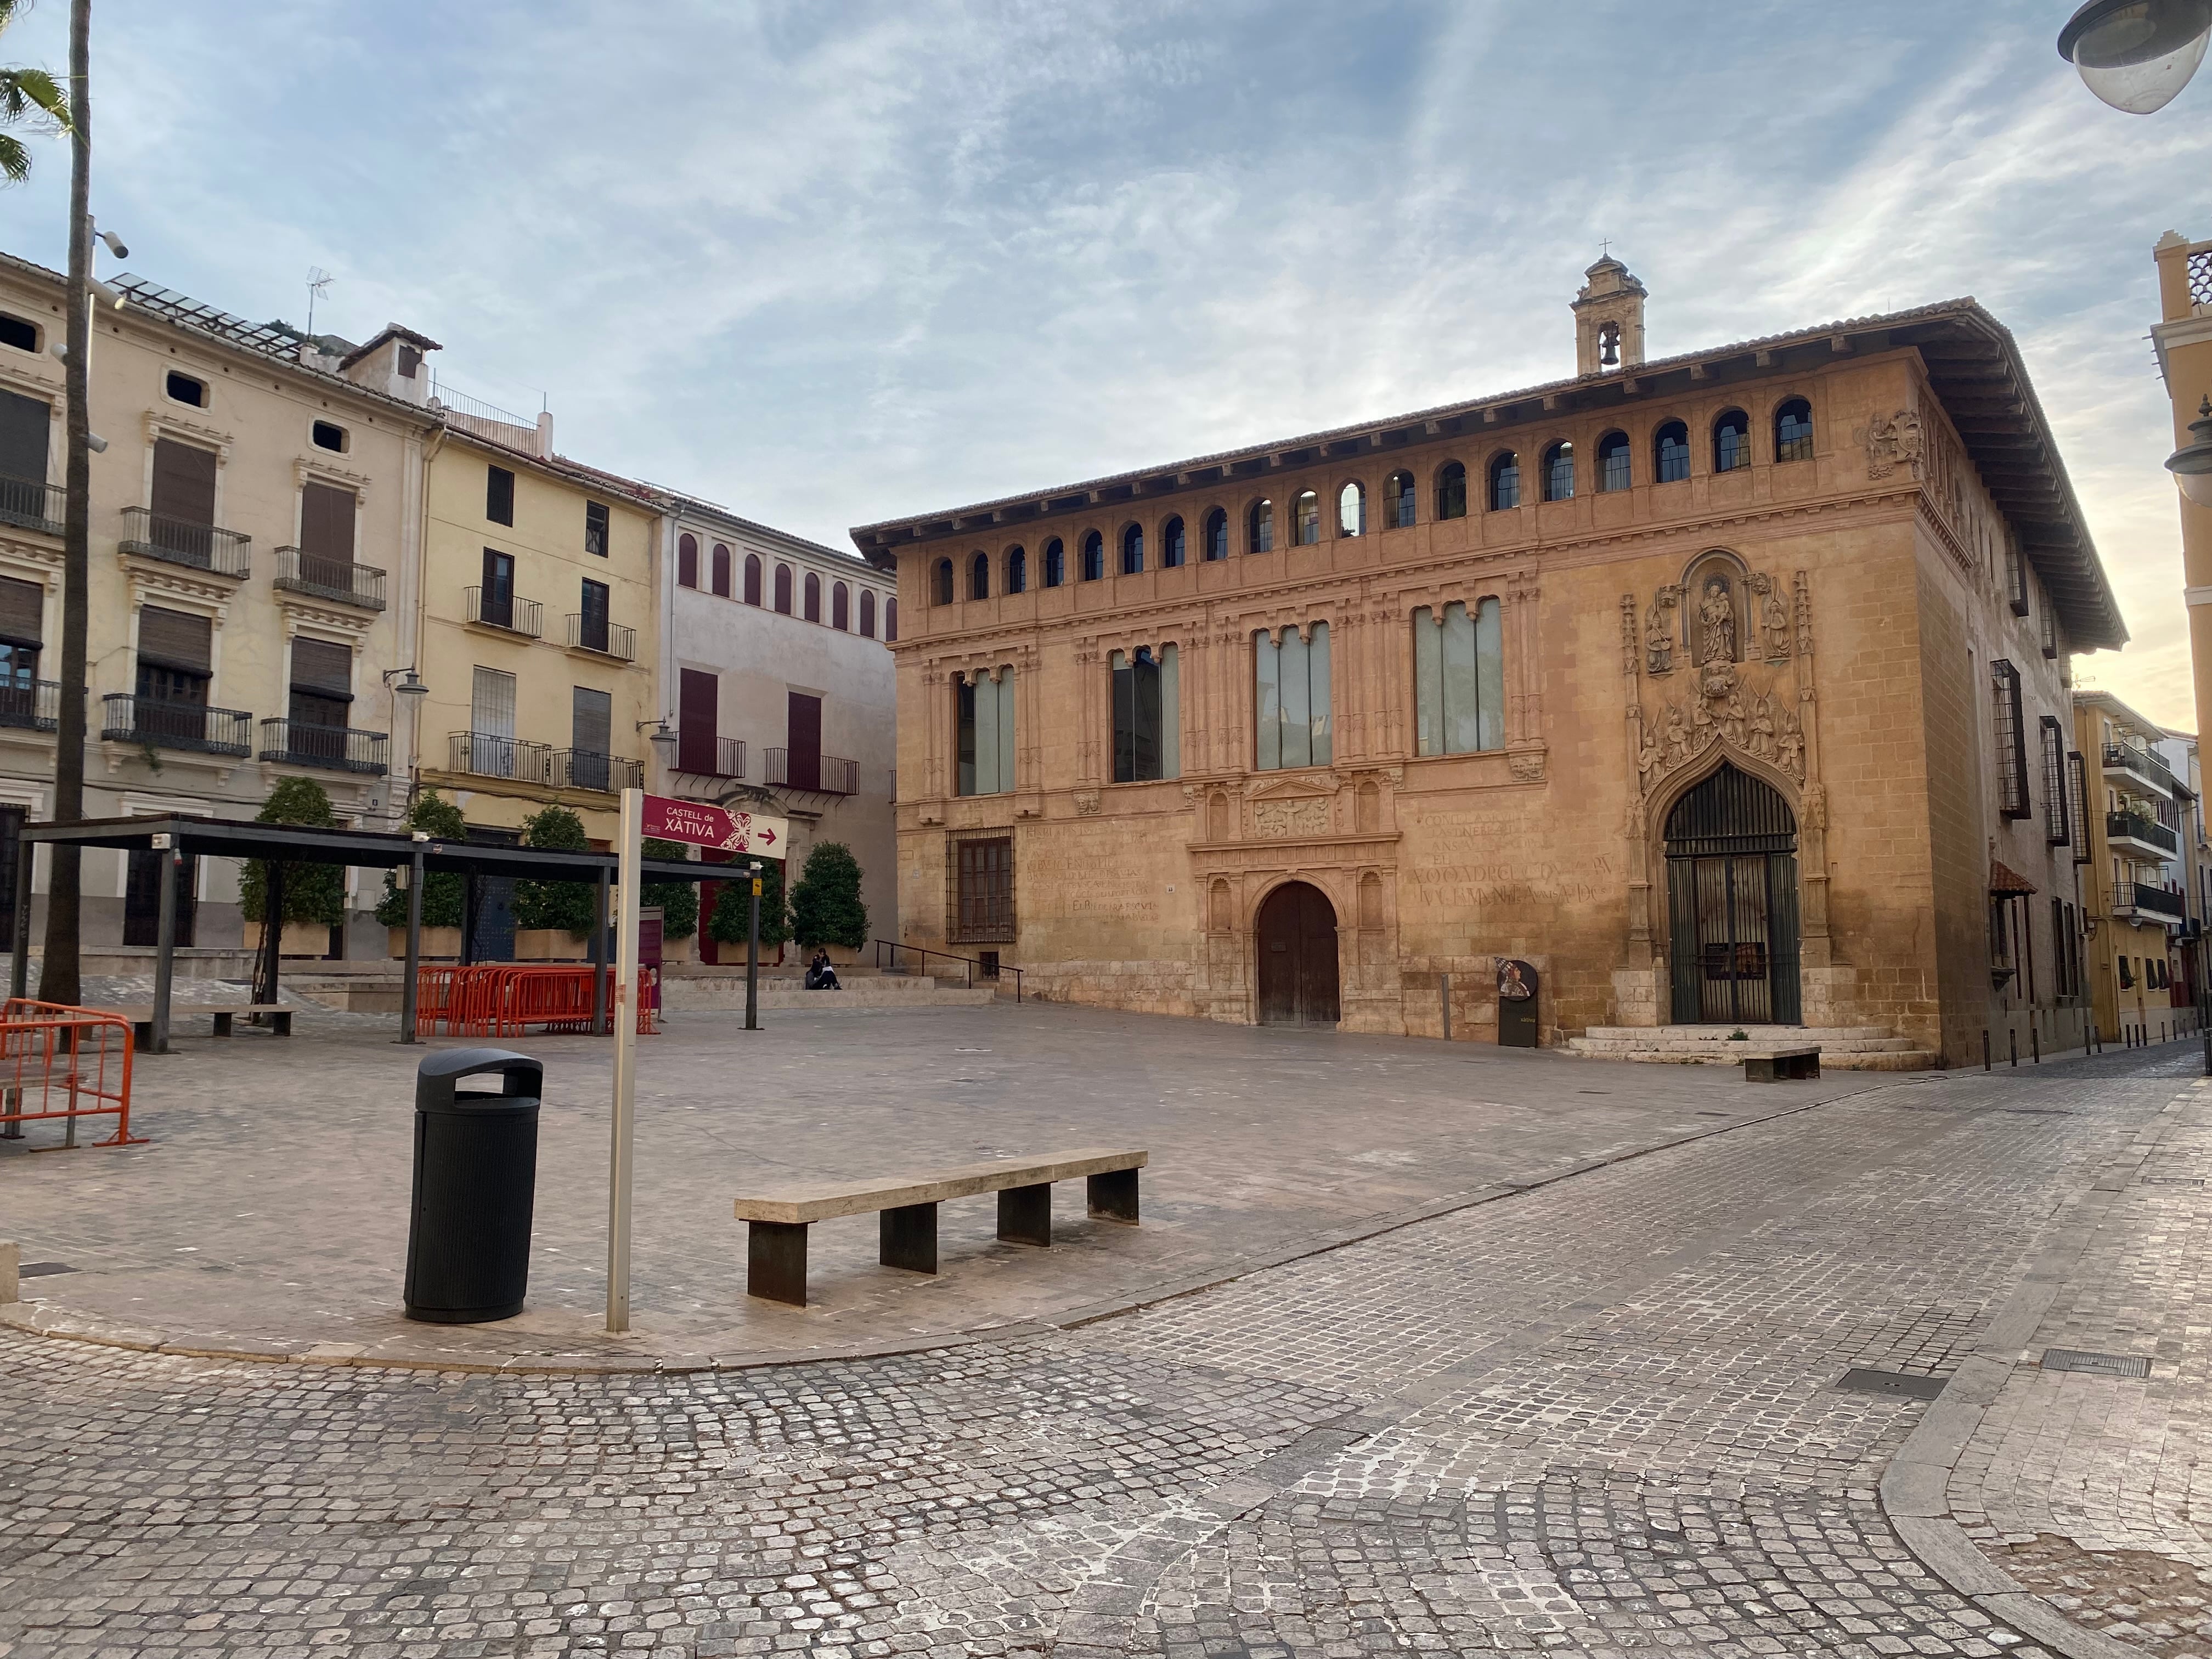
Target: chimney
[[1609, 319]]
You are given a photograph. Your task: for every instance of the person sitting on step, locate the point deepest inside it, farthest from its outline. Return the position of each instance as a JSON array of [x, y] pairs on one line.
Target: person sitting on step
[[820, 975]]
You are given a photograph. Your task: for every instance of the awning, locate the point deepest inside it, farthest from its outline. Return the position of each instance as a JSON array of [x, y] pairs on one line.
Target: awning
[[2007, 881]]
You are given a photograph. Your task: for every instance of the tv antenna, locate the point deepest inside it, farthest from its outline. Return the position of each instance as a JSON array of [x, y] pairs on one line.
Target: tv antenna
[[318, 280]]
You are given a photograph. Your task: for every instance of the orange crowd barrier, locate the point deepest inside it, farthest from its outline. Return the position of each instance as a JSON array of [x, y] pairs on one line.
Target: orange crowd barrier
[[57, 1061], [507, 999]]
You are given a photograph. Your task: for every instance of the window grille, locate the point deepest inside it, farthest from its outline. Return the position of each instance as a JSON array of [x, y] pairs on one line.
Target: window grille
[[2016, 577], [2080, 777], [984, 890], [2012, 743], [2055, 827], [2049, 632]]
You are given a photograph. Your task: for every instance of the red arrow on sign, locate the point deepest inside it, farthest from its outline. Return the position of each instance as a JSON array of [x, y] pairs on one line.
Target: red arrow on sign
[[768, 836]]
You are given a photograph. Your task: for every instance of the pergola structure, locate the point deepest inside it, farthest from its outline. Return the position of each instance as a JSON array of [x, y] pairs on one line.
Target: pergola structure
[[280, 844]]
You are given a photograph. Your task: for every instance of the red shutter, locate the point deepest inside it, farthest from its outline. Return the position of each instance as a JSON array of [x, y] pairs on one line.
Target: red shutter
[[804, 742], [697, 696]]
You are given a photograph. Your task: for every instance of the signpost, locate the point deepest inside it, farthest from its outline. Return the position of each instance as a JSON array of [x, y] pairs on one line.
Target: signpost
[[701, 824]]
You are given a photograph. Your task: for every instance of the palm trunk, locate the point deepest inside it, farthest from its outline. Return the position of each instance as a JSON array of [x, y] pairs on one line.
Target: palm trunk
[[60, 980]]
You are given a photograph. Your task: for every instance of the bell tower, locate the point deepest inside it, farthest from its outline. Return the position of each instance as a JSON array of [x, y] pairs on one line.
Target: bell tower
[[1609, 319]]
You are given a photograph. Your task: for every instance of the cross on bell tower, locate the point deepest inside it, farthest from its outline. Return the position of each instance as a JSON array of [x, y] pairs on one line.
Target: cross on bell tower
[[1608, 318]]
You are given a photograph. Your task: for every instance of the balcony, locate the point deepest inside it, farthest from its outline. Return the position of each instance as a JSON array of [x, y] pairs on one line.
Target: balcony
[[833, 777], [2125, 757], [506, 612], [2137, 833], [491, 756], [36, 707], [2146, 903], [335, 580], [589, 633], [195, 546], [188, 725], [581, 769], [335, 748], [710, 757], [29, 505]]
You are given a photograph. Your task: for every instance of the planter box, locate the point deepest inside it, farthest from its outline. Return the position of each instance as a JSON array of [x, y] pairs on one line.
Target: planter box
[[679, 949], [549, 945], [439, 944], [301, 938]]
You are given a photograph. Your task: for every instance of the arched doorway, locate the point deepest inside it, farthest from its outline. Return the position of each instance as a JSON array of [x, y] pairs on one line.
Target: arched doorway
[[1296, 939], [1732, 903]]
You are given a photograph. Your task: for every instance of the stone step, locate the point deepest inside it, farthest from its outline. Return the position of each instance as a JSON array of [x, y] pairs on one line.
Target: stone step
[[1904, 1059], [1722, 1033], [1827, 1043], [684, 995]]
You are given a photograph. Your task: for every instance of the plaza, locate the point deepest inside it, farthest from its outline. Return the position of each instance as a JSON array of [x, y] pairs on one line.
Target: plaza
[[1418, 1348]]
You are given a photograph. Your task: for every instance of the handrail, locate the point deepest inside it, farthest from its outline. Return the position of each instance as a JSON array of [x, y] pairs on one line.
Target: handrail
[[989, 972]]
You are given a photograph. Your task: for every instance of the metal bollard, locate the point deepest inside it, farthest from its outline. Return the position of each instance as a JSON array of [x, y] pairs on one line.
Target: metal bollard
[[2012, 1034], [2035, 1044], [1985, 1048], [1447, 1003]]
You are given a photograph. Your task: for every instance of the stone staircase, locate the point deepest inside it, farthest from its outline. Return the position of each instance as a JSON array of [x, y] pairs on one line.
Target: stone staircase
[[694, 991], [1843, 1048]]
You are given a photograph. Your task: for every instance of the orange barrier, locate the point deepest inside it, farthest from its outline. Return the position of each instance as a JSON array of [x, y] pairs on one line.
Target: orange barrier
[[506, 998], [57, 1061]]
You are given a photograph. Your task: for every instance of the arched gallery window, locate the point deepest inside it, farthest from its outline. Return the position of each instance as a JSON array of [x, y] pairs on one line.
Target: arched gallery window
[[1559, 472], [783, 587], [752, 578], [1171, 545], [1504, 482], [1731, 441], [1262, 527], [1613, 451], [1670, 453], [941, 595], [867, 613], [840, 613], [1398, 492], [813, 597], [1094, 555], [721, 568], [1352, 511], [890, 620], [1056, 562], [979, 576], [1217, 534], [1309, 518], [1017, 569], [1133, 550], [1451, 492], [1793, 431], [687, 561]]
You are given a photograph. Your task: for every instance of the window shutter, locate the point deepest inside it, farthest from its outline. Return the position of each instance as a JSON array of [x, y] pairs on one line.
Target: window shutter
[[499, 495], [697, 696], [22, 609], [26, 424], [326, 524], [176, 640], [184, 482], [805, 718], [591, 721], [491, 703], [320, 665]]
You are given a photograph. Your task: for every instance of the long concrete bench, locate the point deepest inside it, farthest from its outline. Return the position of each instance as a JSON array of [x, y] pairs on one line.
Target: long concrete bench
[[775, 1237], [142, 1017], [1782, 1065]]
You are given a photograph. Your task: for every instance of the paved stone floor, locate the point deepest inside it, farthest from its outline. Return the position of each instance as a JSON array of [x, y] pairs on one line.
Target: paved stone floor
[[1598, 1416]]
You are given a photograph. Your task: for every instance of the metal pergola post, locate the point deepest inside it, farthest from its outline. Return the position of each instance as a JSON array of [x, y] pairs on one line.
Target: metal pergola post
[[410, 988], [19, 970], [600, 956], [165, 951]]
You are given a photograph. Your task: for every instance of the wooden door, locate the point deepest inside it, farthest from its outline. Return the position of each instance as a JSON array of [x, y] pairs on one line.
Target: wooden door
[[1296, 940]]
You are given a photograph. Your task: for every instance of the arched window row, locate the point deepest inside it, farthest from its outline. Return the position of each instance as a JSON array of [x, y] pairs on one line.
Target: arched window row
[[1505, 485]]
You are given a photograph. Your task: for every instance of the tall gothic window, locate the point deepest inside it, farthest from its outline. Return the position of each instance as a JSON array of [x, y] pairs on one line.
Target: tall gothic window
[[1793, 431], [1132, 550], [1559, 472], [1505, 482], [1147, 715], [1731, 441], [1171, 545], [1612, 453], [1217, 534], [1056, 562], [983, 737], [1262, 528], [1352, 510], [1398, 491], [1459, 679], [1451, 492], [1094, 555], [1670, 453], [1291, 697]]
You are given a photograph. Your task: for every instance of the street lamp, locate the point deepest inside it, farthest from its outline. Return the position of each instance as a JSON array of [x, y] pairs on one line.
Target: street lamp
[[664, 738], [2136, 54], [2191, 464]]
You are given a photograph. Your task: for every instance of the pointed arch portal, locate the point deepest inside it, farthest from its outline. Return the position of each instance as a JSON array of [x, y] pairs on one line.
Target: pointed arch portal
[[1732, 903]]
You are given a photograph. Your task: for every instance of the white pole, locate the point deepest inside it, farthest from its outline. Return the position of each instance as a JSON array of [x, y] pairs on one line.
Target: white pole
[[625, 1016]]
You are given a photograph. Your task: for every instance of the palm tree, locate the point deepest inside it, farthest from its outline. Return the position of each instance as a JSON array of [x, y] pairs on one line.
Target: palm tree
[[27, 96]]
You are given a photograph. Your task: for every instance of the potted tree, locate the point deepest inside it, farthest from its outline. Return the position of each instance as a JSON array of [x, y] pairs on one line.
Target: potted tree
[[443, 895], [825, 906], [553, 919], [679, 903], [314, 894], [733, 908]]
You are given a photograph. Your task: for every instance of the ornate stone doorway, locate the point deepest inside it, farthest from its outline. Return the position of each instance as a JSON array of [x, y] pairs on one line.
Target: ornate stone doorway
[[1296, 937], [1732, 903]]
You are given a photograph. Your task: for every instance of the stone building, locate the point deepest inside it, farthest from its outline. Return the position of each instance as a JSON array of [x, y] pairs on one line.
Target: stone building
[[1728, 688]]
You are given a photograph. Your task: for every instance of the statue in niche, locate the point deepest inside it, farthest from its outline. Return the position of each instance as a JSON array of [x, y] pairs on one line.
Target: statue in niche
[[1760, 741], [1732, 719], [1678, 735], [1659, 636], [1716, 622], [1789, 744], [1650, 761], [1778, 628]]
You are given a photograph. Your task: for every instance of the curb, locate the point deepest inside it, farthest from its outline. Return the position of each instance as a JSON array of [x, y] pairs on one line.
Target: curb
[[1914, 1491], [38, 1319]]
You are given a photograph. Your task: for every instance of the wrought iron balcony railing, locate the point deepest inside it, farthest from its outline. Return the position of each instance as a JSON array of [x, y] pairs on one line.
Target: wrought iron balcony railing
[[711, 757], [2141, 762], [587, 633], [491, 756], [833, 776], [191, 726], [35, 707], [582, 769], [2131, 896], [338, 579], [2134, 826], [517, 615], [175, 541], [29, 505], [338, 748]]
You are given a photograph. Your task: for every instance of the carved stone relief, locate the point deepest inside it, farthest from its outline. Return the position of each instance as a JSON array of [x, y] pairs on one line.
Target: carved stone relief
[[1659, 631], [1277, 820], [1891, 443]]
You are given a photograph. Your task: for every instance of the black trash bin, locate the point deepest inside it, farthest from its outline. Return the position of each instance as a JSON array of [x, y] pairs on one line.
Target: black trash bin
[[476, 1176]]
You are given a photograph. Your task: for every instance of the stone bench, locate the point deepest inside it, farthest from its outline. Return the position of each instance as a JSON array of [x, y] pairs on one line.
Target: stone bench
[[1782, 1065], [776, 1221], [142, 1017]]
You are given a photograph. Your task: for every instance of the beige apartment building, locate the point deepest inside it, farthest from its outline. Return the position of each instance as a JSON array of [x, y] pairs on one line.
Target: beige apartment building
[[2182, 337], [1724, 690], [537, 633], [258, 498], [777, 681]]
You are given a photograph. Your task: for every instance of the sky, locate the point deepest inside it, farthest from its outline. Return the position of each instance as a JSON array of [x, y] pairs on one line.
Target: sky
[[832, 263]]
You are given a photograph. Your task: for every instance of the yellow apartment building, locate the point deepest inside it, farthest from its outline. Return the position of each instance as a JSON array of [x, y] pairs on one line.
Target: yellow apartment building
[[535, 635], [2183, 340], [2134, 811]]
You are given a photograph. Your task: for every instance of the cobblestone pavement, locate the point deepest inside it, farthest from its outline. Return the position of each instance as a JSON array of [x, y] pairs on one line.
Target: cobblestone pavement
[[1599, 1417]]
